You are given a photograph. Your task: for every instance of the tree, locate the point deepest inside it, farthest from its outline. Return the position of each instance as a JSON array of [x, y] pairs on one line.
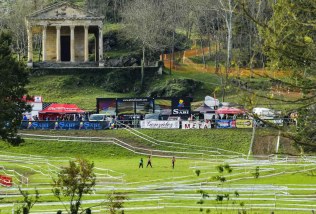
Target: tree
[[74, 182], [143, 22], [289, 43], [13, 78], [28, 202], [15, 23], [116, 201], [227, 8]]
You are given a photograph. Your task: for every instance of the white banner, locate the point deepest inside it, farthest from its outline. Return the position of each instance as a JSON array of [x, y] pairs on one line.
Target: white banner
[[159, 124], [195, 125]]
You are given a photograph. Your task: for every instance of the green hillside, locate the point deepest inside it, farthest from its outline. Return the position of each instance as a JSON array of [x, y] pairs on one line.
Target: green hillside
[[71, 89]]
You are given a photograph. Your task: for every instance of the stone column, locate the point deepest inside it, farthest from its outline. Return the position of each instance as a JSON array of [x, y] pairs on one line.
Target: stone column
[[29, 47], [58, 43], [86, 41], [72, 43], [44, 43], [96, 47], [101, 63]]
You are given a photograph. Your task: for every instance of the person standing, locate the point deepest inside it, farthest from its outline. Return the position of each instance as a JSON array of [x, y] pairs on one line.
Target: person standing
[[149, 162], [173, 160], [141, 163]]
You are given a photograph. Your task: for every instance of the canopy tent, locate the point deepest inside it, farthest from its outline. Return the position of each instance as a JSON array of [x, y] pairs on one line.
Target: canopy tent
[[229, 110], [62, 109], [211, 102], [203, 109], [55, 109]]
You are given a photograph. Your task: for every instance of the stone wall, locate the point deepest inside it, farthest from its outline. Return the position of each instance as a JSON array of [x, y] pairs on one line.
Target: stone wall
[[51, 44], [64, 31], [95, 70], [79, 43]]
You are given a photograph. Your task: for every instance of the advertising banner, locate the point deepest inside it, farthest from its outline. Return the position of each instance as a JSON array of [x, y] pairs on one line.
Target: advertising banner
[[65, 125], [195, 125], [225, 123], [163, 106], [181, 106], [106, 106], [5, 180], [159, 124], [244, 124]]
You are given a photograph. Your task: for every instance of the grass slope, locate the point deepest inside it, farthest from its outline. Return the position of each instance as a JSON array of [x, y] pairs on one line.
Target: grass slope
[[62, 89], [237, 140]]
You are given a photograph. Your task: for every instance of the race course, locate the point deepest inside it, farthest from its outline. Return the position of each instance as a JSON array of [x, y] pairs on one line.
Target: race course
[[285, 184]]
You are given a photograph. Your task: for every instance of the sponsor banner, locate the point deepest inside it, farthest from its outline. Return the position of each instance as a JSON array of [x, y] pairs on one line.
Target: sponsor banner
[[159, 124], [65, 125], [181, 106], [134, 99], [195, 125], [225, 123], [5, 180], [244, 124]]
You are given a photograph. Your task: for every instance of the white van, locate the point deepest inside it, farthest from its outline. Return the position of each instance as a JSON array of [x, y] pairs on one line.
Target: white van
[[264, 113]]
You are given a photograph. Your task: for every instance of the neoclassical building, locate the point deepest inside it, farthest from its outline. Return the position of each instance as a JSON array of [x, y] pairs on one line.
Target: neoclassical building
[[65, 30]]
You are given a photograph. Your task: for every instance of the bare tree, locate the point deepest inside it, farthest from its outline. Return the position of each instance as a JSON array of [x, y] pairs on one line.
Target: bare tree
[[227, 9], [143, 22], [15, 23]]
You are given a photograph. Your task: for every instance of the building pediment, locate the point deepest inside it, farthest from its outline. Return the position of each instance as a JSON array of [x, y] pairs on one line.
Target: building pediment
[[63, 11]]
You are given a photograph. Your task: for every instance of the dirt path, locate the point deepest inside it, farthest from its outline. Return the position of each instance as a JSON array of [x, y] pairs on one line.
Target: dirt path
[[183, 63]]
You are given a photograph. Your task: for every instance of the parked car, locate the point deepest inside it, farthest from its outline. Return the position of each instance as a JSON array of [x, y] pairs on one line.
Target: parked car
[[152, 117], [98, 117], [174, 118]]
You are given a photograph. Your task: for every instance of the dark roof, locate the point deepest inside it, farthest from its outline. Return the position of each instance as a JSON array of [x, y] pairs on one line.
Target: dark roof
[[204, 108]]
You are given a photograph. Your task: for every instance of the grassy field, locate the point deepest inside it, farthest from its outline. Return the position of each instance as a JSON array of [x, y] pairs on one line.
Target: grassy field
[[285, 184]]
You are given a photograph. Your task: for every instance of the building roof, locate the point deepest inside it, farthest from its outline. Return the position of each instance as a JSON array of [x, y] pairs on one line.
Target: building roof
[[63, 11], [204, 109]]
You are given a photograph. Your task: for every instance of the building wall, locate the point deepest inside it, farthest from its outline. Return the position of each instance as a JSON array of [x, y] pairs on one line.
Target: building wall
[[79, 43], [51, 44], [64, 31]]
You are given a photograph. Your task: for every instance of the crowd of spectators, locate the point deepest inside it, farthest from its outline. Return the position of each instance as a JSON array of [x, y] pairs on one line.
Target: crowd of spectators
[[61, 117]]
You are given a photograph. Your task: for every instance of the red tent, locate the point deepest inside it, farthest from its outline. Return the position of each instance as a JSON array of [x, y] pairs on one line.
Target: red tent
[[229, 110], [56, 109]]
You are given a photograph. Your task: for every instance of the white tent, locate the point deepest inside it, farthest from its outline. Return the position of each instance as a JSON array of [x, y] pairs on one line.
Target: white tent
[[211, 102]]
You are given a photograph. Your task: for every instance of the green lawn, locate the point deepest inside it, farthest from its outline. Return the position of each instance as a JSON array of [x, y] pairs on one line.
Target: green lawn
[[63, 89]]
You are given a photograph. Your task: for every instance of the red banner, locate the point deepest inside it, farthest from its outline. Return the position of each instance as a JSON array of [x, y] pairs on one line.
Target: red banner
[[5, 180]]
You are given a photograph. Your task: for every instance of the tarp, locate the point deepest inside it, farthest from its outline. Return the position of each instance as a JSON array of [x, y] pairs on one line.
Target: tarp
[[62, 109], [229, 110]]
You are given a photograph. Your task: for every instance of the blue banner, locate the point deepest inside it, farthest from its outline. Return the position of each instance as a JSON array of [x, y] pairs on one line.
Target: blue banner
[[65, 125], [225, 123]]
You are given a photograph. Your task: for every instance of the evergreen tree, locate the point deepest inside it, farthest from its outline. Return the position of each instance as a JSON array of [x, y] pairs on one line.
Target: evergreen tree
[[13, 78], [289, 43]]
